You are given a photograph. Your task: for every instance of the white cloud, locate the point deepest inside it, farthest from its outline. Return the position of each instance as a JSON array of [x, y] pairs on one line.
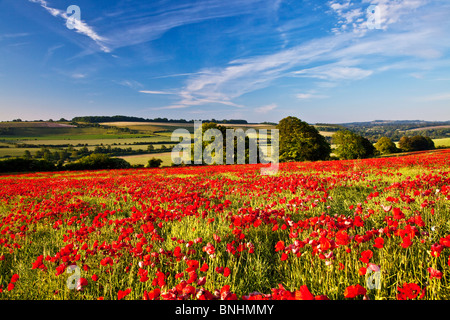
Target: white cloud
[[155, 92], [266, 109], [303, 96], [78, 75], [334, 73], [353, 16], [78, 25]]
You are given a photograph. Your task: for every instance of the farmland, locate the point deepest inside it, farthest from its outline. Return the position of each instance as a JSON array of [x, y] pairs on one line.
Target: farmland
[[315, 230]]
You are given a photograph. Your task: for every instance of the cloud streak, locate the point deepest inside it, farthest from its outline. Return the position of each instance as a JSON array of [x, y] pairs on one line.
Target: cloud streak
[[78, 25], [347, 56]]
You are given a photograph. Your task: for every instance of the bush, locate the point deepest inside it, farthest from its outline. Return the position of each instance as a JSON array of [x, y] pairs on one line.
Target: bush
[[25, 165], [97, 161], [154, 163]]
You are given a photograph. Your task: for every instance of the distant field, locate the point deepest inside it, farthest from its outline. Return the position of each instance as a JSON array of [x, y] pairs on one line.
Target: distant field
[[66, 138], [327, 133], [92, 142], [445, 142], [58, 131], [430, 128], [127, 124], [136, 146], [35, 124], [167, 126], [16, 152], [143, 158]]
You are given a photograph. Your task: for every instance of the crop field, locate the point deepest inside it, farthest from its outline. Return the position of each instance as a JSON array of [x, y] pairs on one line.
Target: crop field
[[445, 142], [16, 152], [357, 229], [166, 158]]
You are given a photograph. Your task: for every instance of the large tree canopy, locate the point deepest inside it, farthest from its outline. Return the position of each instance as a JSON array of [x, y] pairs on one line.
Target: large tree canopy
[[385, 145], [416, 143], [300, 141], [349, 145]]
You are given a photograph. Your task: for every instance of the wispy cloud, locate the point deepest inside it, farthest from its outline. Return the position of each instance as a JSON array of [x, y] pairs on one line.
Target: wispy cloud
[[266, 109], [78, 25], [132, 84], [78, 75], [354, 17], [332, 72], [303, 96], [133, 25], [346, 56], [155, 92], [13, 35]]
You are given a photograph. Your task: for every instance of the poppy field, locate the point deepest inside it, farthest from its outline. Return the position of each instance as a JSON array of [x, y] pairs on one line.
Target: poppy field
[[315, 230]]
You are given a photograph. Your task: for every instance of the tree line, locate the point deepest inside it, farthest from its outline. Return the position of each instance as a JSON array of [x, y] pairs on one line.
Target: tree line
[[70, 153], [299, 141], [99, 119]]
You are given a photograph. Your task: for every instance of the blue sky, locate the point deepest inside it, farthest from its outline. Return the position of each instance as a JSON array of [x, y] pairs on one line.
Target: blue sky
[[260, 60]]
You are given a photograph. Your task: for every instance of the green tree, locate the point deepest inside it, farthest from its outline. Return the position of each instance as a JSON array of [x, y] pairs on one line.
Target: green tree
[[251, 150], [150, 148], [47, 155], [405, 144], [416, 143], [27, 155], [420, 143], [154, 163], [350, 145], [206, 126], [384, 145], [300, 141], [97, 161]]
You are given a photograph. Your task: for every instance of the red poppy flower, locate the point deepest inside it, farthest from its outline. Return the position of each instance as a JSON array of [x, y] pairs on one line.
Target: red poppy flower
[[303, 294], [81, 283], [122, 294], [398, 214], [204, 267], [279, 246], [216, 238], [366, 255], [14, 278], [219, 269], [226, 272], [192, 264], [408, 291], [353, 291], [362, 271], [379, 243], [434, 273], [406, 242]]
